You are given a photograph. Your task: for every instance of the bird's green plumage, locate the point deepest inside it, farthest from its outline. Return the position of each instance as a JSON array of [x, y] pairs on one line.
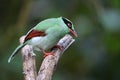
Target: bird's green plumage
[[52, 22], [54, 28]]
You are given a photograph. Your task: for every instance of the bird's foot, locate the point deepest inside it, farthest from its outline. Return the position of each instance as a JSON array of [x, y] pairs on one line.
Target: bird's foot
[[52, 52], [47, 53], [56, 47]]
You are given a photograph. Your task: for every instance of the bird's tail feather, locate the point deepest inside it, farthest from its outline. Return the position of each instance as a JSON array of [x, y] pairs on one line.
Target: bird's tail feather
[[16, 51]]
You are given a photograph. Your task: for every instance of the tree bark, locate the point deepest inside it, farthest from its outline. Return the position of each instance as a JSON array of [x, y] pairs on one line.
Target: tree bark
[[29, 66]]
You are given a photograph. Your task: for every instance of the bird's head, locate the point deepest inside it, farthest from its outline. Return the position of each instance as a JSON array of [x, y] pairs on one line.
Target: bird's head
[[70, 26]]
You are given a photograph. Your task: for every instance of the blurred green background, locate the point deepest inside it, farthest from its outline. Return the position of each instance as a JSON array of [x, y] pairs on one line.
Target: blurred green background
[[95, 55]]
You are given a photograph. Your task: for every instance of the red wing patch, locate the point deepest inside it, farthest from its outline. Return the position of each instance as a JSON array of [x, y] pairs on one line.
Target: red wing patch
[[34, 33]]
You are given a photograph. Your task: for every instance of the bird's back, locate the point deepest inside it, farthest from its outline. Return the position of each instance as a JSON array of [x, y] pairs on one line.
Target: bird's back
[[45, 24]]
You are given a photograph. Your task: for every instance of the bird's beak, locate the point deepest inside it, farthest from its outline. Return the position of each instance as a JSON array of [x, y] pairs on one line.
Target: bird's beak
[[73, 33]]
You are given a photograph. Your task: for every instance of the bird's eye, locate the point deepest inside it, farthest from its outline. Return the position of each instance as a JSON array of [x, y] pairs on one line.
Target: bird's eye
[[67, 22], [69, 25]]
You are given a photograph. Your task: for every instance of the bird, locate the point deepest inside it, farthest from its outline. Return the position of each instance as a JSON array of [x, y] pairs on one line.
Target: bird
[[46, 34]]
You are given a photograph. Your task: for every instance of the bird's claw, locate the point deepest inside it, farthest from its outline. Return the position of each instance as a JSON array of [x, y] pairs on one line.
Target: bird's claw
[[52, 52], [57, 47], [48, 53]]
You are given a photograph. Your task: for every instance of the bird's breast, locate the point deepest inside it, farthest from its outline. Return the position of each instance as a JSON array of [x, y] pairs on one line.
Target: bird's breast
[[43, 42]]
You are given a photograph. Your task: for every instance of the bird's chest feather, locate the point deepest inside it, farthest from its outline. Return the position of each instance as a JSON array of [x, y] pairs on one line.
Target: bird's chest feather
[[44, 42]]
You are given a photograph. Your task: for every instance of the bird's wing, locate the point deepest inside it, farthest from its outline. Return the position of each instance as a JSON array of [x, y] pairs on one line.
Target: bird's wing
[[34, 33]]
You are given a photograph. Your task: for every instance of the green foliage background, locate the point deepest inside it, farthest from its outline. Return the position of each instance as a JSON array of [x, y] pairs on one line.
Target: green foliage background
[[95, 55]]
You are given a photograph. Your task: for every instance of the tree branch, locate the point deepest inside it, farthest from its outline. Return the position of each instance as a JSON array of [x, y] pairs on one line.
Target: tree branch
[[29, 66], [49, 63]]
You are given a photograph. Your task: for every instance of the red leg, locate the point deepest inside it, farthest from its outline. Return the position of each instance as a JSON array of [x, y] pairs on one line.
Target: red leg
[[47, 53], [56, 46]]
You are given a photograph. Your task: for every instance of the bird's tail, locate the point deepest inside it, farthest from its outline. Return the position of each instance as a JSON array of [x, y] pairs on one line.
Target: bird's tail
[[16, 51]]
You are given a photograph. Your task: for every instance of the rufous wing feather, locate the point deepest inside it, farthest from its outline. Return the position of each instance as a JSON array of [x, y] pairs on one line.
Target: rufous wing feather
[[34, 33]]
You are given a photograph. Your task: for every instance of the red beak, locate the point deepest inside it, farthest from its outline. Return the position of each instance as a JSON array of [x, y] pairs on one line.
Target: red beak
[[73, 33]]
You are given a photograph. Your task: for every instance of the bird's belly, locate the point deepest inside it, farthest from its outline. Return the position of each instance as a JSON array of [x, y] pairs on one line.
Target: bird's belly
[[43, 42]]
